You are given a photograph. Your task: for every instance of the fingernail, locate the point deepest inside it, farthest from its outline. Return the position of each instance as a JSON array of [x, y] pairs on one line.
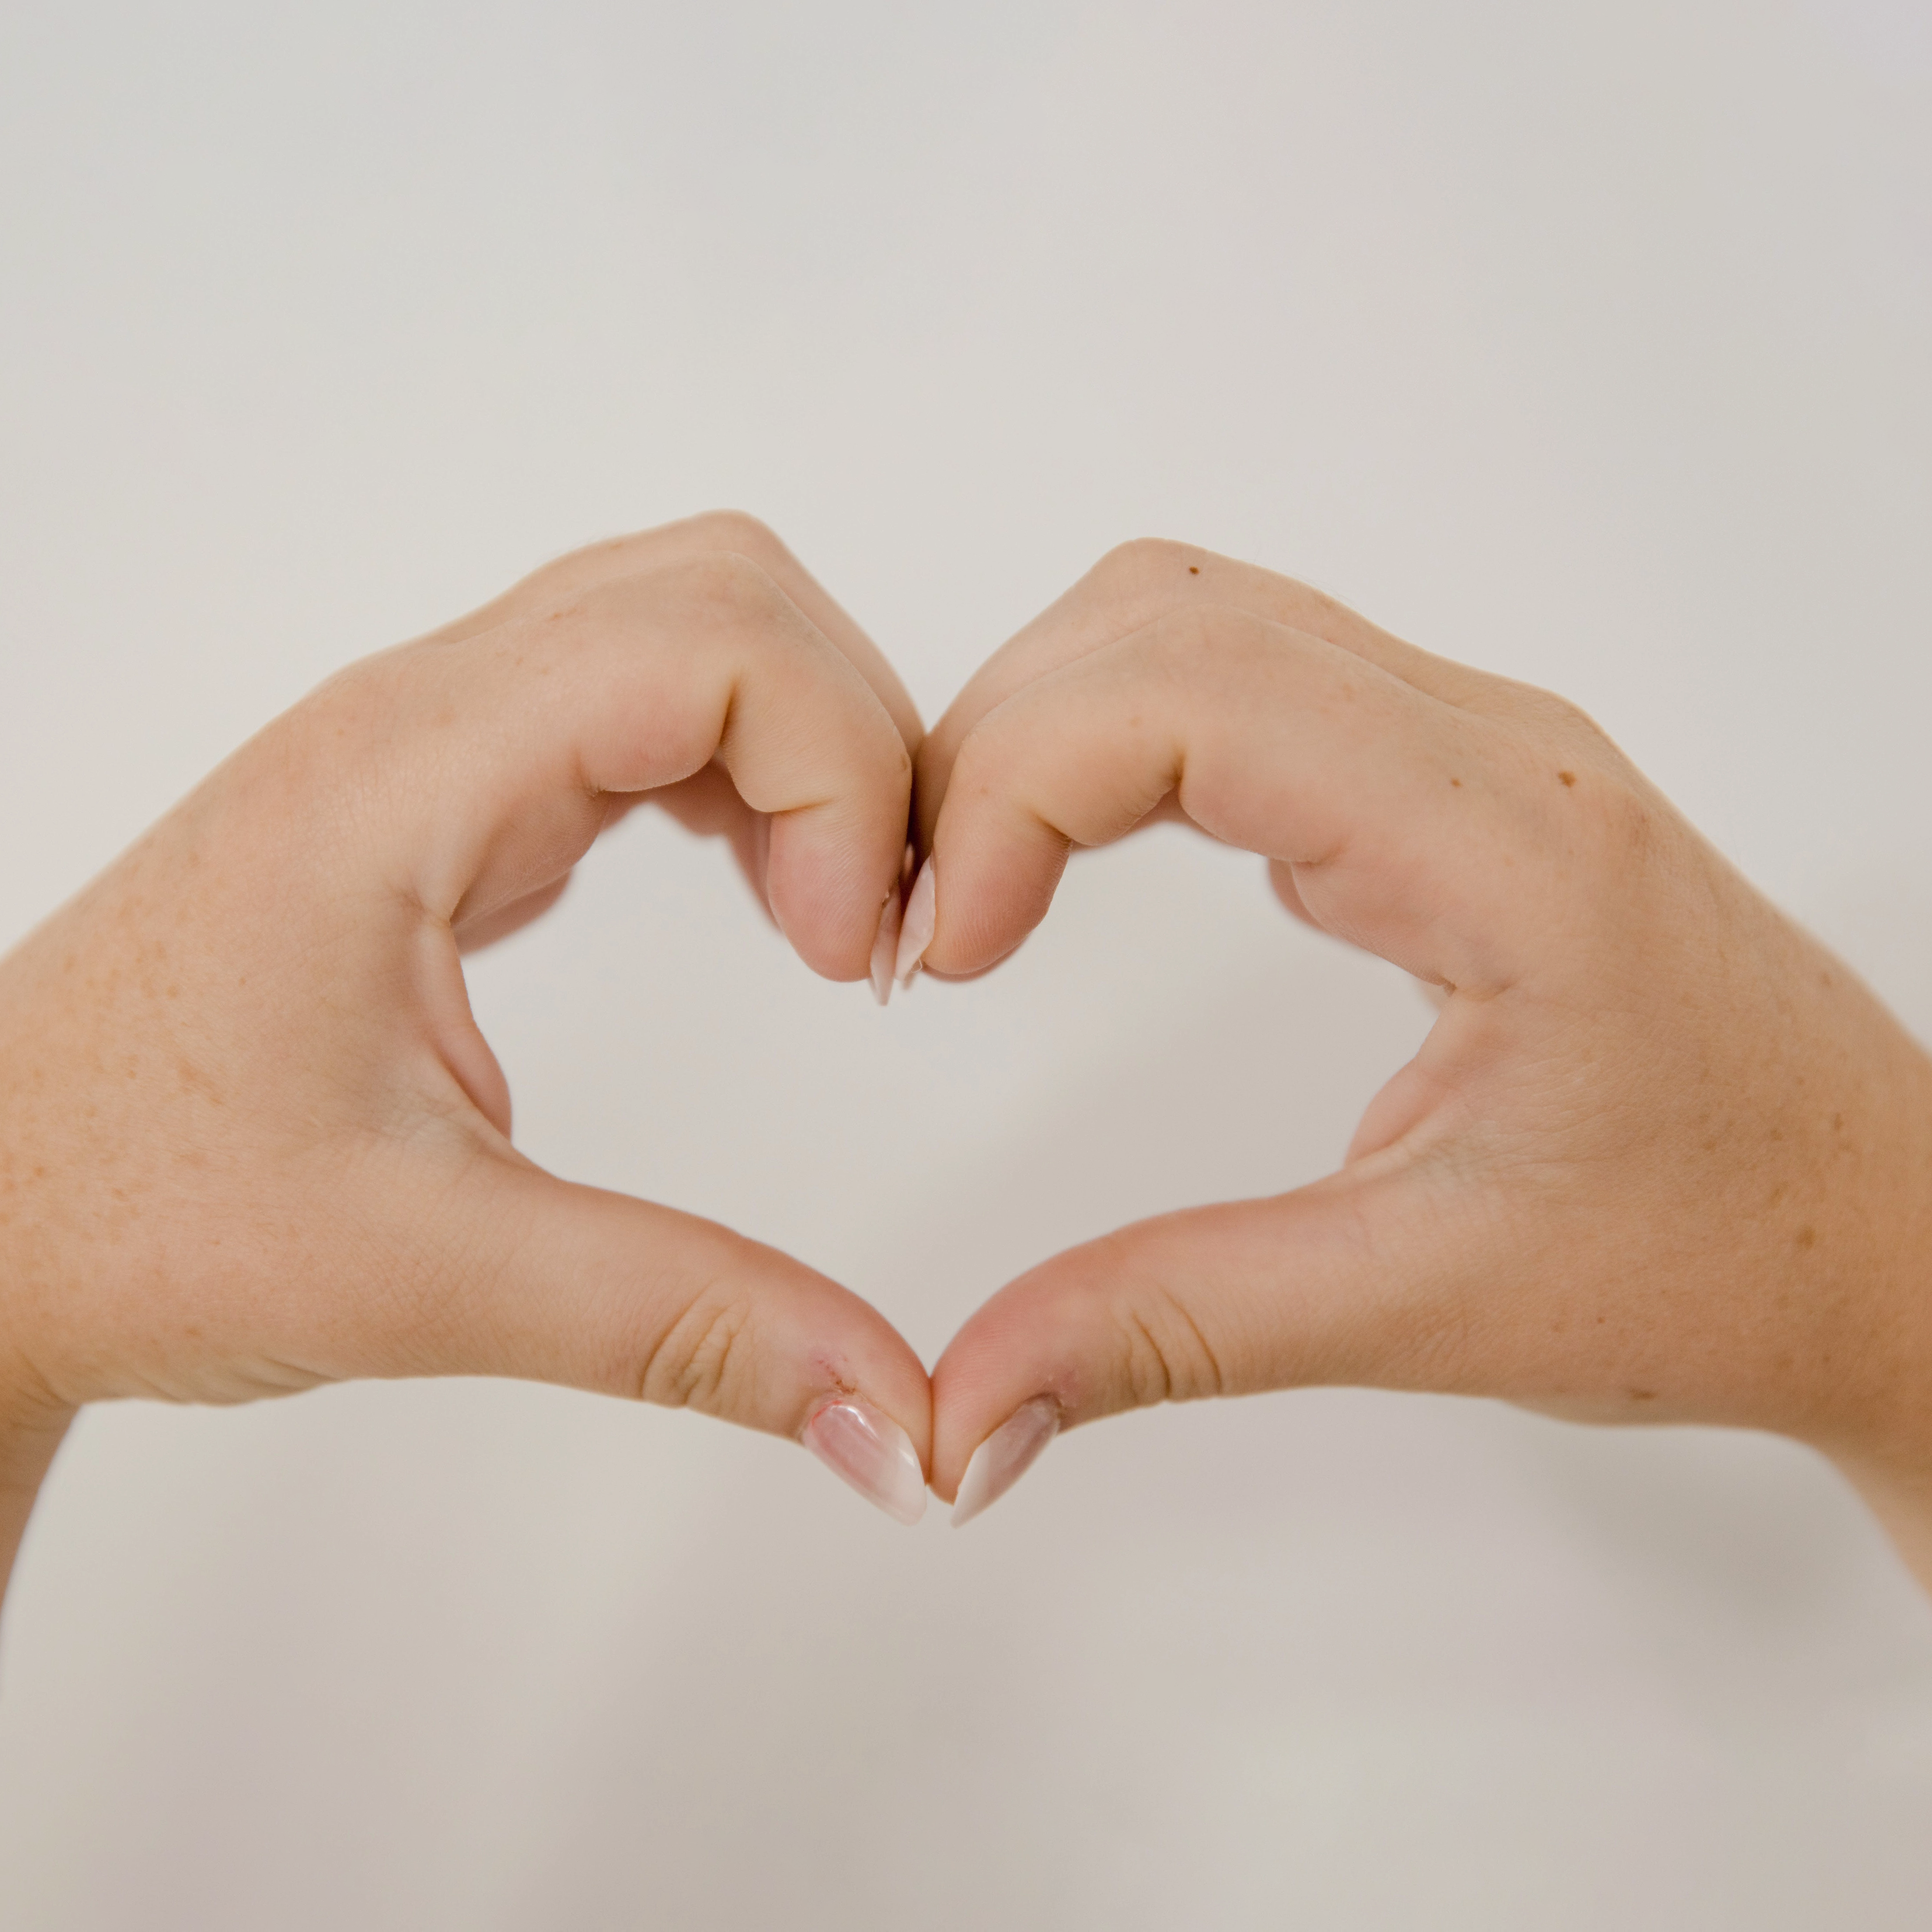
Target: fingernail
[[1005, 1457], [922, 915], [873, 1453], [885, 945]]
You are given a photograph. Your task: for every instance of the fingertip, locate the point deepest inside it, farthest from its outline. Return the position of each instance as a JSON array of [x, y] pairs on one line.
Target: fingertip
[[830, 887], [993, 886], [1032, 1341]]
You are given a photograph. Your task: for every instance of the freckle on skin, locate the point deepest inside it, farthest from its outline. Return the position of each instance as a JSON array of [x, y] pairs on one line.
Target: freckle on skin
[[1194, 570], [1807, 1237], [1568, 777], [1457, 783]]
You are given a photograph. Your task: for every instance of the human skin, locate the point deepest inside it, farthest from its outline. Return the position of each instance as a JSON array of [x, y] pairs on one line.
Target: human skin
[[251, 1138], [1662, 1158]]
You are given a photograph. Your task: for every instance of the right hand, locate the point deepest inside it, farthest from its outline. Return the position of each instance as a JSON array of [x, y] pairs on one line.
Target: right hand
[[1661, 1158]]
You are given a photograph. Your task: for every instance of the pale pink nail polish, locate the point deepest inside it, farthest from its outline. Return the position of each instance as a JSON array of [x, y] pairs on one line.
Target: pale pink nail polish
[[885, 945], [1005, 1457], [872, 1452], [921, 917]]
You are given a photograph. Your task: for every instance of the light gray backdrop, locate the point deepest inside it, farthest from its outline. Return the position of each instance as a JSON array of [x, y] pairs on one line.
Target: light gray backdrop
[[1586, 343]]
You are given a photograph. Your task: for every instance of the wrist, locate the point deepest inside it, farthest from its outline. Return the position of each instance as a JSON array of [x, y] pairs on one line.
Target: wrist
[[33, 1418], [1880, 1436], [31, 1427], [1901, 1496]]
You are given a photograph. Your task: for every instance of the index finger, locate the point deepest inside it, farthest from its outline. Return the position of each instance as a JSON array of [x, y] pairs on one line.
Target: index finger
[[712, 533], [1388, 808], [1137, 585], [478, 769]]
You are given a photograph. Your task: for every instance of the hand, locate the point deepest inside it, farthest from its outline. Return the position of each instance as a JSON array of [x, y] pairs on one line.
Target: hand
[[1661, 1157], [252, 1140]]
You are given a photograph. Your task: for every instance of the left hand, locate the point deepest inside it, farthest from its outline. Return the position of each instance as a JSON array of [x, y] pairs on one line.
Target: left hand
[[253, 1139]]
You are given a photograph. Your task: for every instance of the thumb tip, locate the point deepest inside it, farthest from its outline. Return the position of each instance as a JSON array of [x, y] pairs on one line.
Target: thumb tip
[[1005, 1457], [867, 1450]]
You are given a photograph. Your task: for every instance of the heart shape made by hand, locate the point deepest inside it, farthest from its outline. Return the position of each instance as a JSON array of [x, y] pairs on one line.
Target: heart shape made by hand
[[262, 1143]]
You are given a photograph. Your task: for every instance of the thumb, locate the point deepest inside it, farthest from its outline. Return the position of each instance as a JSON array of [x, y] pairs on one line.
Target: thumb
[[1348, 1280], [528, 1276]]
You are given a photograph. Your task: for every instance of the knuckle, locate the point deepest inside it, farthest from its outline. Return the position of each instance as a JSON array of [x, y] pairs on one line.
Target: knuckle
[[1624, 820], [346, 734], [979, 764], [1574, 721], [1306, 608], [737, 531], [579, 571], [1197, 631], [637, 553], [1562, 718], [1144, 1372], [1143, 566], [699, 1361], [734, 587], [1197, 639], [1161, 1351]]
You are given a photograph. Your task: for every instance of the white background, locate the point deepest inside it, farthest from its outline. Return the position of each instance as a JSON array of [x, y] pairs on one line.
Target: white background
[[1587, 343]]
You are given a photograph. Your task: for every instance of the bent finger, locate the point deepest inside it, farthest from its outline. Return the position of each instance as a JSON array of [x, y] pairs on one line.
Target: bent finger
[[488, 764], [1139, 584], [711, 533], [1383, 804]]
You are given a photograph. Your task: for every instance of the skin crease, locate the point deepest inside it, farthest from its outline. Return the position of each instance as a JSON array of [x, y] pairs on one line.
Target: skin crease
[[1662, 1157], [252, 1138]]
